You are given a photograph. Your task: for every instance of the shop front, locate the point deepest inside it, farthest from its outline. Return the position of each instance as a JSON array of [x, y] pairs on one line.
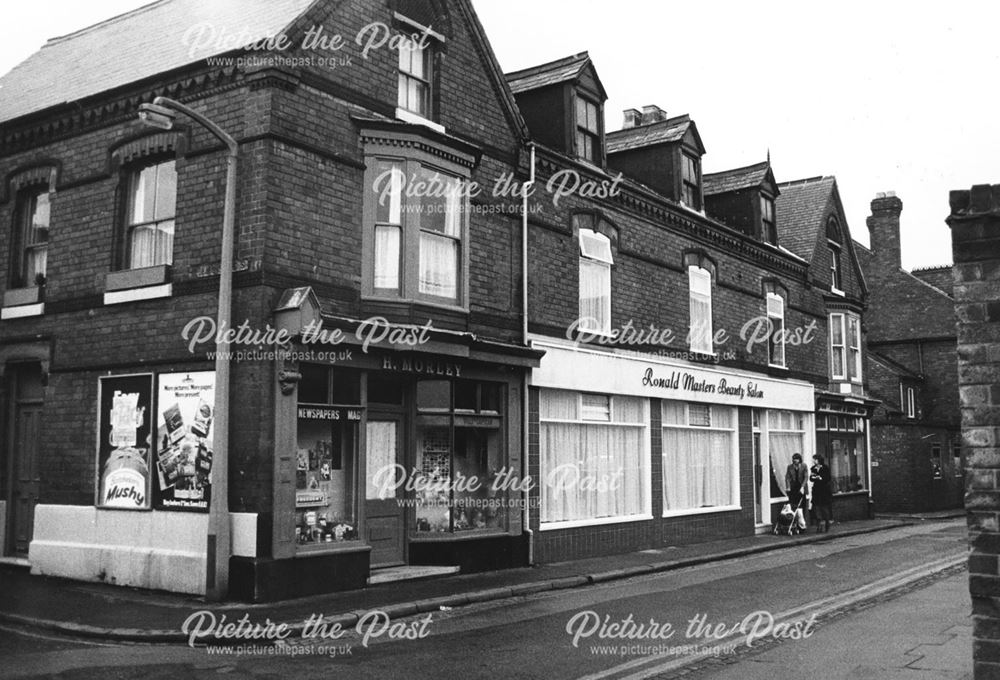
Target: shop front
[[638, 451], [843, 437], [391, 458]]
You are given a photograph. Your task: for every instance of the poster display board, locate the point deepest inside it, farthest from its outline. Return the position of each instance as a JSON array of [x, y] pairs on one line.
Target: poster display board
[[125, 414], [185, 404]]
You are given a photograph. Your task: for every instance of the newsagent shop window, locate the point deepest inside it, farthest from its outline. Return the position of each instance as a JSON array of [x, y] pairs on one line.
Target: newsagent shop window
[[460, 453], [842, 439], [326, 477], [700, 457]]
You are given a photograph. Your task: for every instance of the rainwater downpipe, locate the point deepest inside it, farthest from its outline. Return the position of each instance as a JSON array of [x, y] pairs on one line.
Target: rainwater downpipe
[[526, 513]]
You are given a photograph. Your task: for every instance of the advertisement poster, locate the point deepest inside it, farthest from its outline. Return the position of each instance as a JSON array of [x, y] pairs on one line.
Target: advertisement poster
[[125, 415], [185, 405]]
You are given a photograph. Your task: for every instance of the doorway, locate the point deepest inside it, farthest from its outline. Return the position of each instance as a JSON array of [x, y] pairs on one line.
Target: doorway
[[385, 516], [25, 415]]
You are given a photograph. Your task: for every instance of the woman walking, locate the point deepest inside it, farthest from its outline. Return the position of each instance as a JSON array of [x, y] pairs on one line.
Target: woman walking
[[822, 493]]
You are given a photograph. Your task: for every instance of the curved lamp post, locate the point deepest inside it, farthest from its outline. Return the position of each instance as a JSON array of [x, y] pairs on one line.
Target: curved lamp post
[[161, 114]]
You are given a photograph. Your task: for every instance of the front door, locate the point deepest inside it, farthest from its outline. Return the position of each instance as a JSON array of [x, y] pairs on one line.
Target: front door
[[384, 511], [26, 415]]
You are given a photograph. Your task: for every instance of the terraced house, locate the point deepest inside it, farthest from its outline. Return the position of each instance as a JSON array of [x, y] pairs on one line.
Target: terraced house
[[431, 365]]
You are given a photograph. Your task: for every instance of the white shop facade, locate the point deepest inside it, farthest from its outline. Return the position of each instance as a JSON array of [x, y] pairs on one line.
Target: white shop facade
[[632, 451]]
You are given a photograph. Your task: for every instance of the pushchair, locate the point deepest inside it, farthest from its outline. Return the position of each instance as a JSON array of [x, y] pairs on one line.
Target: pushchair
[[791, 520]]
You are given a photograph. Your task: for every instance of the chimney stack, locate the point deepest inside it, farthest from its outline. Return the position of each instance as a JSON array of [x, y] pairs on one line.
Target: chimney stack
[[652, 114], [883, 228], [632, 118]]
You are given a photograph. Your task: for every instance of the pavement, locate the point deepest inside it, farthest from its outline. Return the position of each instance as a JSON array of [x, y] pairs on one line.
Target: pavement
[[115, 613]]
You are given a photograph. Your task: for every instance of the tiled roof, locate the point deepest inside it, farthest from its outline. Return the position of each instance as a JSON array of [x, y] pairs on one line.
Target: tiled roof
[[735, 179], [800, 209], [136, 45], [939, 277], [552, 73], [670, 130]]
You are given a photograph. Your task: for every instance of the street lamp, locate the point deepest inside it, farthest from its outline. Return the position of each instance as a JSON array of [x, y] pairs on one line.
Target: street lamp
[[161, 114]]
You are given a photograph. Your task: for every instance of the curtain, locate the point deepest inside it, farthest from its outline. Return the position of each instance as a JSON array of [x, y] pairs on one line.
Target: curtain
[[387, 257], [152, 244], [380, 453], [781, 446], [595, 294], [438, 266], [697, 468], [591, 470]]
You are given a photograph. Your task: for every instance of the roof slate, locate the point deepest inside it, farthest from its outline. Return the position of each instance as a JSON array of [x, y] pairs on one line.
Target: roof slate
[[149, 40], [670, 130], [800, 209], [735, 179], [552, 73]]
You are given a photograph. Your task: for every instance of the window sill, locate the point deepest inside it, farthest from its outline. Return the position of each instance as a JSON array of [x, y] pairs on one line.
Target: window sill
[[781, 367], [22, 311], [128, 279], [701, 511], [17, 297], [415, 118], [450, 306], [575, 523], [465, 535], [135, 294], [837, 291], [329, 548]]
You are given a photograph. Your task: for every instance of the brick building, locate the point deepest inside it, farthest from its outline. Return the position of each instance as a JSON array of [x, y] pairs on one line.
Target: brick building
[[113, 241], [916, 440], [629, 367], [653, 298]]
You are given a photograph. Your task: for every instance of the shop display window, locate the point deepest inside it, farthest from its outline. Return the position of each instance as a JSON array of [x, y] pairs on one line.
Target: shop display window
[[327, 457], [842, 439], [459, 454]]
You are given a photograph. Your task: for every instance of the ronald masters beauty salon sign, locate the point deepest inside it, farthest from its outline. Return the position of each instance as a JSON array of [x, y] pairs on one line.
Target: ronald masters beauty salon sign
[[586, 370]]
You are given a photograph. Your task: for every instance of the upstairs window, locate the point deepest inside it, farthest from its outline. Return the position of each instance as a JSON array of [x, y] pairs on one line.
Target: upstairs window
[[415, 79], [152, 202], [700, 299], [415, 242], [836, 284], [595, 282], [768, 227], [691, 181], [776, 343], [588, 130], [845, 347], [32, 234]]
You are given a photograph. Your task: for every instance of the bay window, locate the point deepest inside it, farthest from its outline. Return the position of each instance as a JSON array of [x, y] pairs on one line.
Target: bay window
[[845, 347], [700, 457], [415, 238], [594, 458]]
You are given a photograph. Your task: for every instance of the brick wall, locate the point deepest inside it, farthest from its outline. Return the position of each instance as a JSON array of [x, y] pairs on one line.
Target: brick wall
[[975, 230]]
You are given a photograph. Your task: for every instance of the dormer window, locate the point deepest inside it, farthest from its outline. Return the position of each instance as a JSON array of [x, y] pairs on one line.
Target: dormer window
[[691, 181], [588, 130], [768, 227], [833, 240]]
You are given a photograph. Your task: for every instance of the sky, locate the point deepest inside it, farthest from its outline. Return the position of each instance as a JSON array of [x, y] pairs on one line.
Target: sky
[[884, 95]]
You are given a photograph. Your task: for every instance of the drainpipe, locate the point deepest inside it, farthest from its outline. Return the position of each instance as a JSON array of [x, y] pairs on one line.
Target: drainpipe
[[525, 514]]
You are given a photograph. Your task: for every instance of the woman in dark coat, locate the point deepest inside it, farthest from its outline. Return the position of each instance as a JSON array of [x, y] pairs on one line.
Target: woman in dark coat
[[822, 493]]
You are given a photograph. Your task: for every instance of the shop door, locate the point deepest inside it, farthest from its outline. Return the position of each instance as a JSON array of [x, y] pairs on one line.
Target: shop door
[[27, 415], [384, 511]]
